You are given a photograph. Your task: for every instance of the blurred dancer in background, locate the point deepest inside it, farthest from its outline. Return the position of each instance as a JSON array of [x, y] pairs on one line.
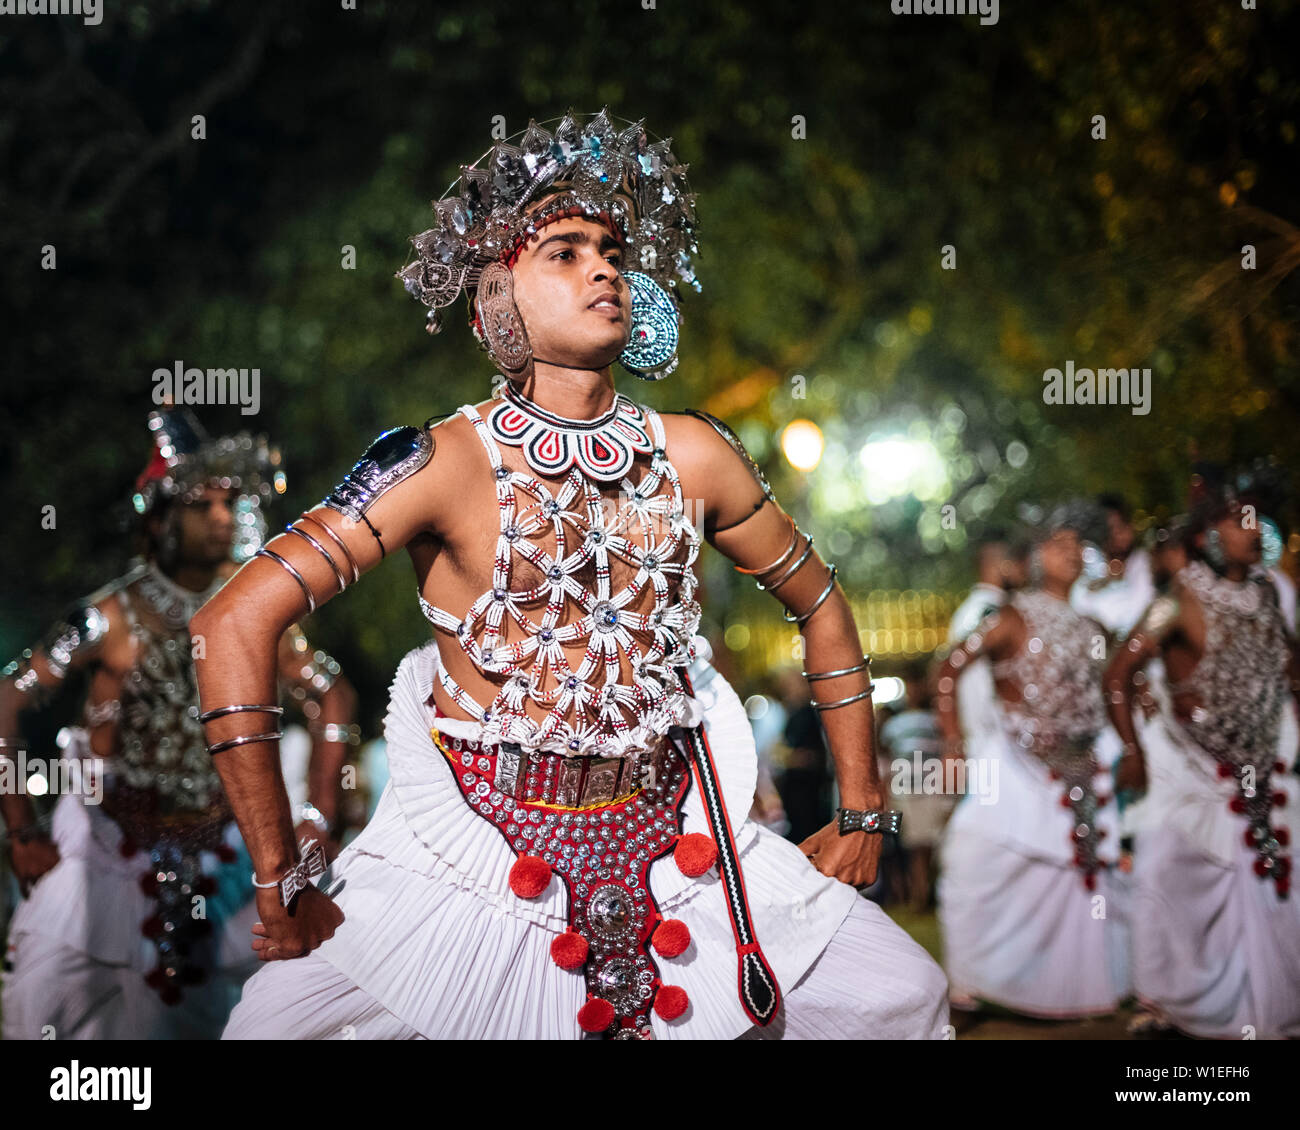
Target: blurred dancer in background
[[138, 913], [1024, 891], [1216, 937]]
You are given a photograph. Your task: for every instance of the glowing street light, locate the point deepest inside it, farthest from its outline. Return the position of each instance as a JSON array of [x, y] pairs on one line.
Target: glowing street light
[[803, 444]]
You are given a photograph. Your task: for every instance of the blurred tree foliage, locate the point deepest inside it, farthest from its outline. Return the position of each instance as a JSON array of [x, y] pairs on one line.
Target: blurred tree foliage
[[821, 256]]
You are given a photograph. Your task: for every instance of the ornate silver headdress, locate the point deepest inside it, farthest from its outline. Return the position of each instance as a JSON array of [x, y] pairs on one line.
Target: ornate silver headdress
[[624, 179], [186, 460]]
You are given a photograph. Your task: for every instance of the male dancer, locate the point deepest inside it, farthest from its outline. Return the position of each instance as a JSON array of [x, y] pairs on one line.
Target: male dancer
[[557, 737], [134, 906], [1216, 937], [1025, 895]]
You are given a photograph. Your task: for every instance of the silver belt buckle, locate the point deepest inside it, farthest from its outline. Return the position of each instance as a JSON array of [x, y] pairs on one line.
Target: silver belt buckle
[[568, 782], [602, 780], [509, 777]]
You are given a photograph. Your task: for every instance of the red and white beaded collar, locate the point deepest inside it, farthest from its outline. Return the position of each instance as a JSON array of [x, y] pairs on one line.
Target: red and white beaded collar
[[603, 449]]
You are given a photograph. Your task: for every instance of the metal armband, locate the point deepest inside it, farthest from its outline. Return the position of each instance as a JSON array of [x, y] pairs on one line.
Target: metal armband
[[395, 455]]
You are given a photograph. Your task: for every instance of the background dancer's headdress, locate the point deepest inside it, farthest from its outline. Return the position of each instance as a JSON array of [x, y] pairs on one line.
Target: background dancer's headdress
[[186, 460], [633, 185]]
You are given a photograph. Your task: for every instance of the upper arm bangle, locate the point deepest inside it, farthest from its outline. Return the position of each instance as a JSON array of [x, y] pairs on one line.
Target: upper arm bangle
[[866, 661], [239, 708], [816, 604], [789, 549], [292, 529], [843, 701], [352, 561], [772, 586], [246, 739], [306, 589]]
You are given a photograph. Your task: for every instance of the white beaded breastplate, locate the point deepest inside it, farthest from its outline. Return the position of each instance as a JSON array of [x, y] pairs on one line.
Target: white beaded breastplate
[[618, 579]]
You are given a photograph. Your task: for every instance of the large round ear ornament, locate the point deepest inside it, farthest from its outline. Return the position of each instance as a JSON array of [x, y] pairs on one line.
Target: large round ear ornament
[[651, 352], [503, 330]]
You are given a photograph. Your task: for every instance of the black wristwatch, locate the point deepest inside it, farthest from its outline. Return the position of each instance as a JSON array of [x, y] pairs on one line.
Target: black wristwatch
[[872, 820]]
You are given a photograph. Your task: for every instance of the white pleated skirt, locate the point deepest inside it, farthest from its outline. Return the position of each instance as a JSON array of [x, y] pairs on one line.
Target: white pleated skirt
[[435, 944]]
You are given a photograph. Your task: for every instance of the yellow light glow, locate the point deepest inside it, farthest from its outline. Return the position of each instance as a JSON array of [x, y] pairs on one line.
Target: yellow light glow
[[803, 444]]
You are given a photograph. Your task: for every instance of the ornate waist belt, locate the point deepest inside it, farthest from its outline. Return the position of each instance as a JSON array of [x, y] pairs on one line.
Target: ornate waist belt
[[599, 823]]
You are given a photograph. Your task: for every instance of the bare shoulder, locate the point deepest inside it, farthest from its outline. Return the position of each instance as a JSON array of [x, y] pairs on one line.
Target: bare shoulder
[[707, 451]]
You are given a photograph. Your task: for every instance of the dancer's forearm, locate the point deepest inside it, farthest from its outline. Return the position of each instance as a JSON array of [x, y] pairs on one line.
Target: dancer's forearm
[[238, 666], [831, 644]]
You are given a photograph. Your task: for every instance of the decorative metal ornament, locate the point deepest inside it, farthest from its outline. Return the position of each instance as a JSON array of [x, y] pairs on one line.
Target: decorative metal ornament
[[504, 335], [651, 352]]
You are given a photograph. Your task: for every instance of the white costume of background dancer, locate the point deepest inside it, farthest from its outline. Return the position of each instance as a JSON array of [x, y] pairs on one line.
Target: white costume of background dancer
[[1025, 895], [1216, 945]]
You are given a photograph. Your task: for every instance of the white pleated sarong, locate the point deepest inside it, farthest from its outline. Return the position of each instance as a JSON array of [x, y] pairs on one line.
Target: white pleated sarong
[[78, 958], [1020, 929], [1215, 951], [435, 944]]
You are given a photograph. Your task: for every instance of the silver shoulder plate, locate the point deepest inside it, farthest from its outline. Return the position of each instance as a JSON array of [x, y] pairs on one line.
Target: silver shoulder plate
[[394, 456], [739, 448]]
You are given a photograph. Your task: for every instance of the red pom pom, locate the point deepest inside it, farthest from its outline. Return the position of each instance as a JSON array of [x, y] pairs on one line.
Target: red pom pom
[[1279, 767], [1090, 881], [149, 883], [1101, 800], [1224, 771], [695, 853], [152, 927], [1261, 867], [671, 1002], [170, 994], [596, 1015], [1236, 804], [155, 979], [226, 853], [569, 950], [1065, 801], [1282, 868], [1279, 799], [1250, 837], [1283, 888], [671, 938], [1282, 835], [127, 847], [530, 876]]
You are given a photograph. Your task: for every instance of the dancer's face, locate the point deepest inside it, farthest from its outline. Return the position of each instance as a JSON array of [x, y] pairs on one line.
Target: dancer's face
[[207, 527], [1242, 545], [1062, 557], [571, 294]]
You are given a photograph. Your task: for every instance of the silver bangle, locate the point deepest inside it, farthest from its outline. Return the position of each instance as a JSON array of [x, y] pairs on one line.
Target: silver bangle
[[300, 874], [239, 708], [306, 589], [843, 701], [352, 561], [246, 739], [866, 662], [321, 550], [870, 820], [790, 572], [816, 604]]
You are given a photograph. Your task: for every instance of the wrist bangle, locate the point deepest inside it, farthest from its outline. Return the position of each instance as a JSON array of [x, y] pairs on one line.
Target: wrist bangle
[[300, 874], [872, 820]]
